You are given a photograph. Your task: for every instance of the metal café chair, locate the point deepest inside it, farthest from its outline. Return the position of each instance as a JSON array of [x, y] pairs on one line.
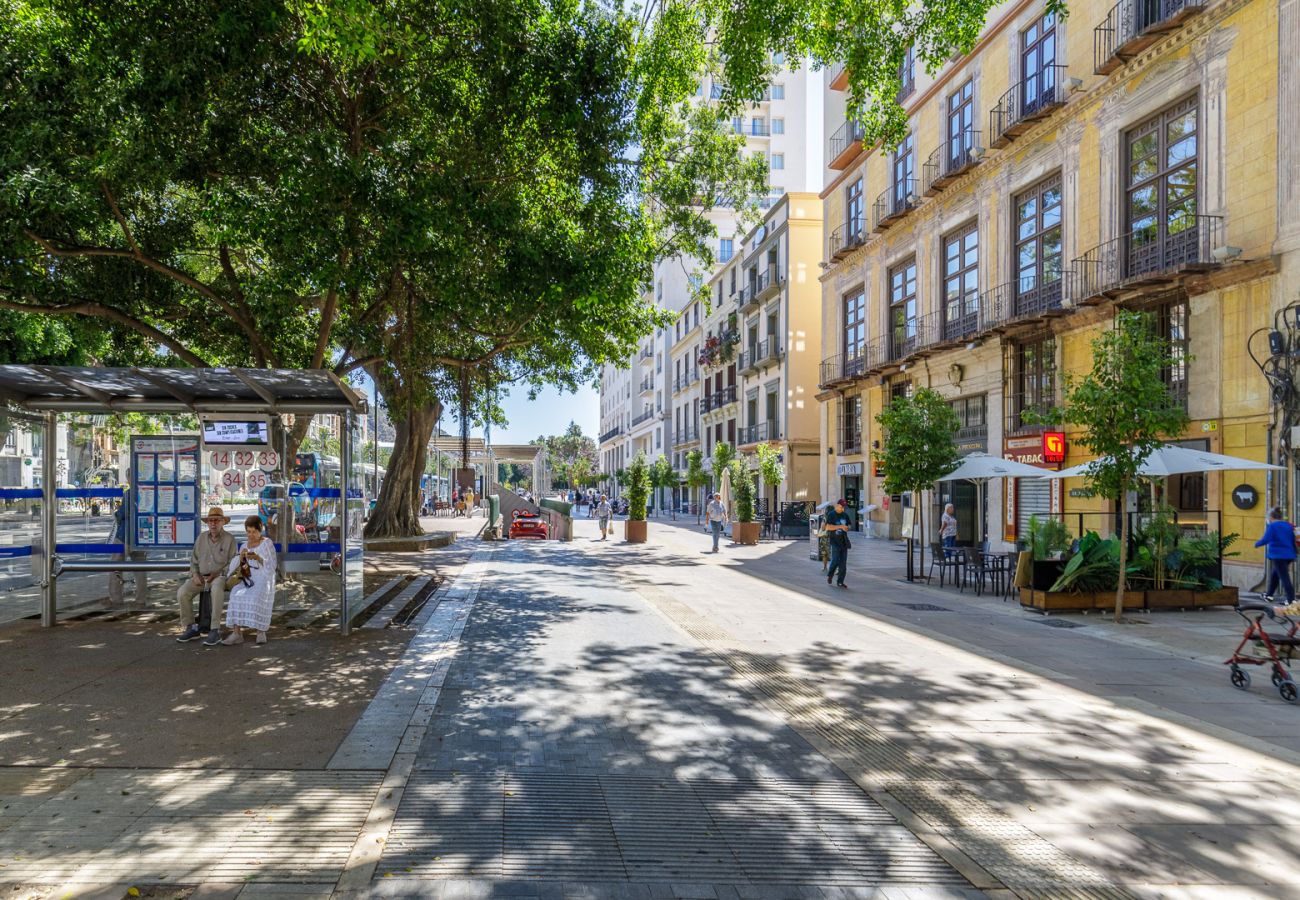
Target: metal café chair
[[948, 560]]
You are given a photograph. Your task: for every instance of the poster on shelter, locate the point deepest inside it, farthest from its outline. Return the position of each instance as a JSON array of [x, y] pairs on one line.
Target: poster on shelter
[[166, 498], [187, 468], [185, 500], [144, 467], [144, 500], [185, 533], [166, 467], [144, 531], [166, 529]]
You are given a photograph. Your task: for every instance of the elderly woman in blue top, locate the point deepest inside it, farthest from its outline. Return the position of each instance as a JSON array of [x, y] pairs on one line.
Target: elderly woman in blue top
[[1279, 549]]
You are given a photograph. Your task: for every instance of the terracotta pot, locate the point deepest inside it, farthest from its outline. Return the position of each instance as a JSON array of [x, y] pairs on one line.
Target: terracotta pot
[[745, 532], [634, 532]]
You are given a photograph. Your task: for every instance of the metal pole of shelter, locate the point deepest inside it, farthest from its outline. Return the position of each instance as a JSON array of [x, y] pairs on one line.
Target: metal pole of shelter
[[345, 482], [49, 520]]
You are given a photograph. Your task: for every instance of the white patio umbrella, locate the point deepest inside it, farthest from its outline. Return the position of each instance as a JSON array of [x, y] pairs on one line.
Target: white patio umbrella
[[1169, 459], [724, 488], [980, 467]]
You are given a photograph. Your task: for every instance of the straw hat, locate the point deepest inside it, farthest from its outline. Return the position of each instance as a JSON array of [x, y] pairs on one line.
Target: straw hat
[[216, 512]]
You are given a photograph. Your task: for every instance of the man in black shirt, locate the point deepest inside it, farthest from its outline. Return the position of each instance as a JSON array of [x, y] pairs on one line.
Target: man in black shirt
[[837, 525]]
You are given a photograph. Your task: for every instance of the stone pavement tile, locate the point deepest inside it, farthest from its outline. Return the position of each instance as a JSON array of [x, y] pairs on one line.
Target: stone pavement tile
[[216, 891], [1270, 853], [1124, 857], [694, 892]]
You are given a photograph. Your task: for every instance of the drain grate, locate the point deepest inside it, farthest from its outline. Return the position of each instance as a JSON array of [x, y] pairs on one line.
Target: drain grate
[[924, 607], [1061, 623], [627, 828]]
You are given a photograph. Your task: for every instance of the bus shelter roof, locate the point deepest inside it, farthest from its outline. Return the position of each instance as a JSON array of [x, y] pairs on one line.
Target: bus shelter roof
[[86, 389]]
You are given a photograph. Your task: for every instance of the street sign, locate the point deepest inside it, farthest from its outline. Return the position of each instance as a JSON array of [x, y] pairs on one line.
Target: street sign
[[268, 460], [244, 459], [220, 460], [232, 479], [256, 480]]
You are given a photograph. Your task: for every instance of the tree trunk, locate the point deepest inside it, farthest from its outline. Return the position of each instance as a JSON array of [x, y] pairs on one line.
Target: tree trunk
[[920, 523], [397, 511], [1123, 554]]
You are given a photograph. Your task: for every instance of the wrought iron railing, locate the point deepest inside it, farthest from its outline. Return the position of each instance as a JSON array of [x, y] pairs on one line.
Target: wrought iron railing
[[954, 156], [718, 399], [769, 281], [911, 336], [611, 434], [894, 202], [1132, 24], [1026, 101], [849, 235], [647, 384], [760, 431], [1023, 298], [686, 435], [1163, 249], [644, 417], [962, 325], [844, 139]]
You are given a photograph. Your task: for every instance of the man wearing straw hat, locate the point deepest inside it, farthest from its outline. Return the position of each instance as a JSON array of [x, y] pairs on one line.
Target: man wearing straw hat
[[209, 560]]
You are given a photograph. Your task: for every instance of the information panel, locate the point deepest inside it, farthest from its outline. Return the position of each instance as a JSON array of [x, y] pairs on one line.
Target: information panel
[[165, 493]]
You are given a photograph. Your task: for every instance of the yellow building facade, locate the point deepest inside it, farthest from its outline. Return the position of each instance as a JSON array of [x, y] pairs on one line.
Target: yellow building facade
[[1131, 156]]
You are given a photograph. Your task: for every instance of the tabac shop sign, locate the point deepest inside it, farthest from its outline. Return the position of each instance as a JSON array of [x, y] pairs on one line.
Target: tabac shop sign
[[1046, 450]]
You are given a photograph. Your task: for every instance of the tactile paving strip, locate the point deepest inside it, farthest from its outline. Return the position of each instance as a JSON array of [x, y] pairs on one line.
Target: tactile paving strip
[[619, 828]]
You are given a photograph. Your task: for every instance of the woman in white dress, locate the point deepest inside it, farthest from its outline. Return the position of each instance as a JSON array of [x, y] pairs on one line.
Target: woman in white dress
[[248, 604]]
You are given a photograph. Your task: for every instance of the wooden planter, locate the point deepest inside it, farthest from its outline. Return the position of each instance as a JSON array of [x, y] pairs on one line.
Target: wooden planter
[[1077, 601], [634, 531], [1224, 596], [1170, 599], [745, 532]]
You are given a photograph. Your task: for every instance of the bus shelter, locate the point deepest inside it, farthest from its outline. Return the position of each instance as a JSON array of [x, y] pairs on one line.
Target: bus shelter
[[235, 411]]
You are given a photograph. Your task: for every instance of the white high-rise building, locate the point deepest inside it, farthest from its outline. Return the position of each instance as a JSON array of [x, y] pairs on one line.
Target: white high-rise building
[[651, 402]]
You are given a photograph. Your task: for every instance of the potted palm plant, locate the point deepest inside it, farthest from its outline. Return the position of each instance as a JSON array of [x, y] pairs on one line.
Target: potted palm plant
[[638, 492], [745, 529]]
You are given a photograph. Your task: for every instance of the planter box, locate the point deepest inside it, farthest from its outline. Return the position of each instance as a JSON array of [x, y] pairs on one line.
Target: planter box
[[1170, 599], [1045, 573], [634, 532], [745, 532], [1224, 596], [1077, 601]]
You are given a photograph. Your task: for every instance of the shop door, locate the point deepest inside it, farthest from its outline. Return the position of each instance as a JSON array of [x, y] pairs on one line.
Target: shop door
[[965, 500], [852, 487]]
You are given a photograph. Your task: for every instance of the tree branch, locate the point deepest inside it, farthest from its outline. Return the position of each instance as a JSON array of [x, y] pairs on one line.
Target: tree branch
[[100, 311], [121, 219]]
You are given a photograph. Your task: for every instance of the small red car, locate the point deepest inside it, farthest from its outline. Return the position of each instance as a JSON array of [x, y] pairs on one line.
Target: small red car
[[527, 524]]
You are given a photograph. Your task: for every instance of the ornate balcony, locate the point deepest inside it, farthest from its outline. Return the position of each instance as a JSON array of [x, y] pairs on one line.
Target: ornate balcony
[[849, 236], [1026, 102], [845, 145], [687, 435], [843, 369], [769, 283], [1153, 256], [758, 433], [611, 434], [647, 385], [912, 337], [949, 160], [718, 399], [893, 203], [1133, 25], [1024, 299], [644, 417], [760, 355]]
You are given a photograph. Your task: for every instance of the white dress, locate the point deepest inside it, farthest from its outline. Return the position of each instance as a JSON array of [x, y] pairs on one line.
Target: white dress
[[250, 607]]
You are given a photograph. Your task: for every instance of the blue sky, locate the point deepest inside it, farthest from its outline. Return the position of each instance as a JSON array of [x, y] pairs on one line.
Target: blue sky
[[550, 413]]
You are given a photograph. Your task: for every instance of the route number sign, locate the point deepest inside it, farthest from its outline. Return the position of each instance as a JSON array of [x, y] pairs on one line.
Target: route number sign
[[220, 460], [232, 479], [268, 460], [256, 480]]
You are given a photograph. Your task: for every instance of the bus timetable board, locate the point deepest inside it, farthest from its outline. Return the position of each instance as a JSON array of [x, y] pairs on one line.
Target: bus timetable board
[[165, 492]]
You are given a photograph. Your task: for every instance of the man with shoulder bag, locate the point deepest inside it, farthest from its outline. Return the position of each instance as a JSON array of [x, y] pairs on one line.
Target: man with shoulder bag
[[209, 560], [837, 524]]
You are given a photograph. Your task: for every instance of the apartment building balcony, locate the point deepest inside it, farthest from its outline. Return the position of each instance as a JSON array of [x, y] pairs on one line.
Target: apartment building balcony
[[686, 380], [646, 353], [644, 417], [1133, 25], [647, 385], [912, 337], [611, 434], [849, 236], [1154, 256], [718, 399], [688, 435], [759, 356], [758, 129], [1025, 299], [839, 77], [749, 296], [959, 326], [950, 159], [845, 145], [893, 203], [769, 283], [758, 433], [1026, 102], [843, 369]]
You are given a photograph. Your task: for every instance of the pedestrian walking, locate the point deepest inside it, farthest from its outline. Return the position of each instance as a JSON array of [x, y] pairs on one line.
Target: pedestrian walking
[[1279, 549], [716, 517], [603, 512], [837, 525], [948, 530]]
